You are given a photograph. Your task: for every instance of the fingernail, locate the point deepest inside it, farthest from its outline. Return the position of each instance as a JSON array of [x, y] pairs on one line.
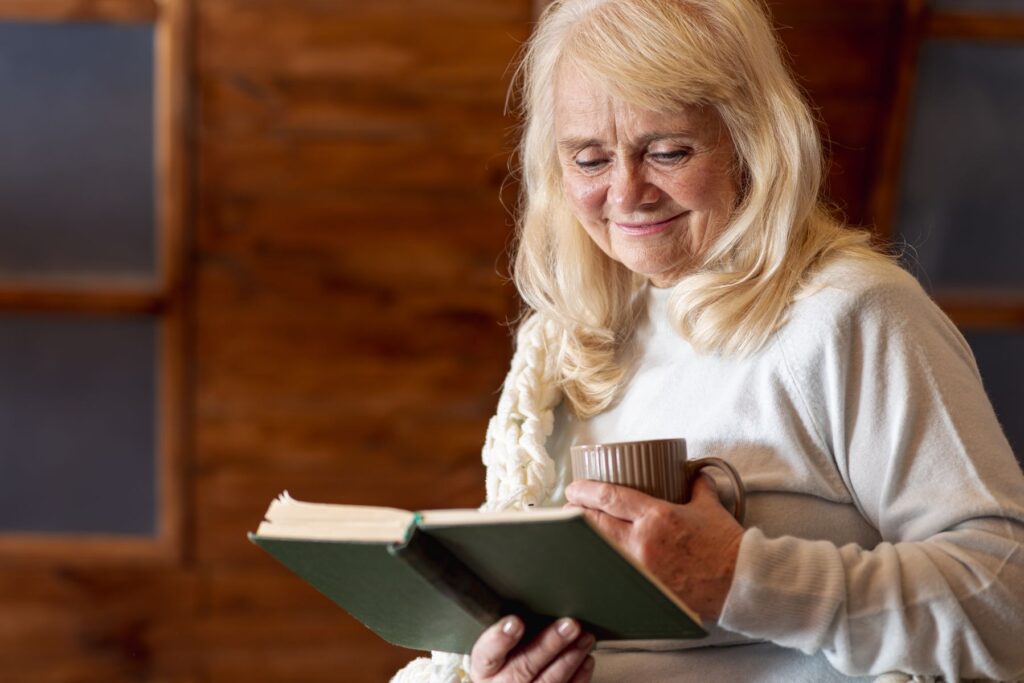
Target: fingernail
[[567, 628], [586, 642], [510, 627]]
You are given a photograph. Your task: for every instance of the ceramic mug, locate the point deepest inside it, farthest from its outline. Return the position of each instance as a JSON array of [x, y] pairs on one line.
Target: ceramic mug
[[657, 467]]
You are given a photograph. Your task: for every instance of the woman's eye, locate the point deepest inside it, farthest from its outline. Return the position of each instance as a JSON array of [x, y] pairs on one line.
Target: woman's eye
[[670, 157], [590, 164]]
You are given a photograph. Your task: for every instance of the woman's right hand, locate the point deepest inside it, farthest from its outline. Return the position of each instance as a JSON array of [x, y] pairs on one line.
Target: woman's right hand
[[560, 654]]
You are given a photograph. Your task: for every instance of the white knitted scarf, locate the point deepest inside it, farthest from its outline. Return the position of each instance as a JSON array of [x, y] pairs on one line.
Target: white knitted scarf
[[520, 473]]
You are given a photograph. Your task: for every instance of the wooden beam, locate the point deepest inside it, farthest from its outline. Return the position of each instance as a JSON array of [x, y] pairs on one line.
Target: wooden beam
[[173, 428], [82, 296], [80, 550], [983, 310], [173, 140], [887, 186], [999, 27], [129, 11], [174, 149]]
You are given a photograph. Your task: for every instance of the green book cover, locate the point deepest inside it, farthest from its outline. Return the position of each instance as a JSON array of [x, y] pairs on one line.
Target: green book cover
[[435, 580]]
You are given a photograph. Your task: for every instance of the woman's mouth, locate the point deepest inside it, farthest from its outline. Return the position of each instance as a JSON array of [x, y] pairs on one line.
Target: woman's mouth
[[646, 227]]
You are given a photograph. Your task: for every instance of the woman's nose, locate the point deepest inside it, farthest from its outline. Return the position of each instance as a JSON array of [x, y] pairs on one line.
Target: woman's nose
[[630, 190]]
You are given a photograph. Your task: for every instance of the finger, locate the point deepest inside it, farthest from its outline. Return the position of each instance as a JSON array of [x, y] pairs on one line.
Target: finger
[[492, 647], [535, 656], [618, 501], [566, 665], [612, 527]]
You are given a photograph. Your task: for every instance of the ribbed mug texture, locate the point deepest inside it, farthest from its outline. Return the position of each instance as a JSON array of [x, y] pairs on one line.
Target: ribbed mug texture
[[657, 467]]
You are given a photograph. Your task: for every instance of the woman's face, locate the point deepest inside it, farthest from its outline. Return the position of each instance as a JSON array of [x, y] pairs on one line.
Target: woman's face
[[651, 189]]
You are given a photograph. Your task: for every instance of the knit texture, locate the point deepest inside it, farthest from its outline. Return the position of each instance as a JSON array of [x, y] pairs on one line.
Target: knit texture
[[520, 473]]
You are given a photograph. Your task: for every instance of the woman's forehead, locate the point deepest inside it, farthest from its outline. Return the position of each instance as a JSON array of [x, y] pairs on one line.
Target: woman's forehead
[[587, 109]]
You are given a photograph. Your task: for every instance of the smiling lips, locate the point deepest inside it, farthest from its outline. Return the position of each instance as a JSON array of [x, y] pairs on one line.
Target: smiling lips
[[647, 228]]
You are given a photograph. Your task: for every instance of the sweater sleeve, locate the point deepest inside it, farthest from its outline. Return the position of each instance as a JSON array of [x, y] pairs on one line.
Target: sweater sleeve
[[896, 398]]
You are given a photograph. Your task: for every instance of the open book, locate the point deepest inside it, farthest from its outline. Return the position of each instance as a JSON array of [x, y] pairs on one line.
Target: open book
[[435, 580]]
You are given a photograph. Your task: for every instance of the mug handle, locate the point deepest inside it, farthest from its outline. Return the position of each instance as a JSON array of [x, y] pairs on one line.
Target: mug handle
[[739, 505]]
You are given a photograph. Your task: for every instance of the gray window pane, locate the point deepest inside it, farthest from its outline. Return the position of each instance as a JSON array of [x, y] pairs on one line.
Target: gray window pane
[[979, 5], [76, 130], [962, 204], [1000, 357], [77, 424]]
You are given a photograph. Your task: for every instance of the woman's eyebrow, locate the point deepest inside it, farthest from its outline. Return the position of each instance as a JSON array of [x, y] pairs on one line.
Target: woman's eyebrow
[[575, 144], [653, 136]]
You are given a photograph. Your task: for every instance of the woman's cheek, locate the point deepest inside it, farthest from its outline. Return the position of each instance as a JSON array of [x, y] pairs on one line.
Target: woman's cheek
[[586, 195]]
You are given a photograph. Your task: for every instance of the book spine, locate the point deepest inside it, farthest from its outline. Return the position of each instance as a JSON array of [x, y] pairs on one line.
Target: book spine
[[449, 576]]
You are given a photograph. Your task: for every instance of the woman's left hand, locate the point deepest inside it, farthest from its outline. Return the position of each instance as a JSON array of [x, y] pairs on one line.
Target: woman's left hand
[[691, 548]]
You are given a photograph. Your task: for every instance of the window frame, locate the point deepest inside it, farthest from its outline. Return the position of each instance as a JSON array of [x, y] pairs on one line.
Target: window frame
[[163, 295], [980, 309]]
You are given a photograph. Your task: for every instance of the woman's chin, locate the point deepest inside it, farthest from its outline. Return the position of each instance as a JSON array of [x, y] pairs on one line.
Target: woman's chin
[[660, 273]]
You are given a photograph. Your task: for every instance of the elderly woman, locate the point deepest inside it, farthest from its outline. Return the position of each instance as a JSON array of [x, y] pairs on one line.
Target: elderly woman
[[686, 280]]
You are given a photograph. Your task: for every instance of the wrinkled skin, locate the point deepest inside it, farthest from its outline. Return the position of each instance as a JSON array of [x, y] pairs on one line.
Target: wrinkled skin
[[691, 548]]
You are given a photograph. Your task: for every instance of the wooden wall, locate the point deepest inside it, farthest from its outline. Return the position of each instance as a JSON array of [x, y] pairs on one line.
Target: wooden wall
[[846, 54], [349, 307], [346, 341]]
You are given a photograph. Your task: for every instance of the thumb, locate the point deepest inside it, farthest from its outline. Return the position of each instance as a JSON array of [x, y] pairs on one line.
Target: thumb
[[704, 491]]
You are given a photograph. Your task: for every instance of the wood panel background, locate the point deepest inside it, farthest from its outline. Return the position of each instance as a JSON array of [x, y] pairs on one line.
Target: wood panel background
[[347, 300]]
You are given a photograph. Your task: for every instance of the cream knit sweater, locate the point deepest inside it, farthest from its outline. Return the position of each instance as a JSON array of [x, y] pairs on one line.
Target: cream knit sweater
[[886, 512]]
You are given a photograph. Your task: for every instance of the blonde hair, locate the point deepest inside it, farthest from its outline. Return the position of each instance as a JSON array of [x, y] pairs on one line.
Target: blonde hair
[[662, 55]]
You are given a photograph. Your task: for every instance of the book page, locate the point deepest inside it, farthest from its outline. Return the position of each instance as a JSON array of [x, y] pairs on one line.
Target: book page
[[290, 518], [447, 517]]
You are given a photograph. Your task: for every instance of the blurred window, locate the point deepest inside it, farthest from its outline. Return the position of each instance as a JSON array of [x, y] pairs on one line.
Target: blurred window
[[77, 423], [995, 6], [91, 272], [951, 196], [76, 175], [961, 204], [996, 352]]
